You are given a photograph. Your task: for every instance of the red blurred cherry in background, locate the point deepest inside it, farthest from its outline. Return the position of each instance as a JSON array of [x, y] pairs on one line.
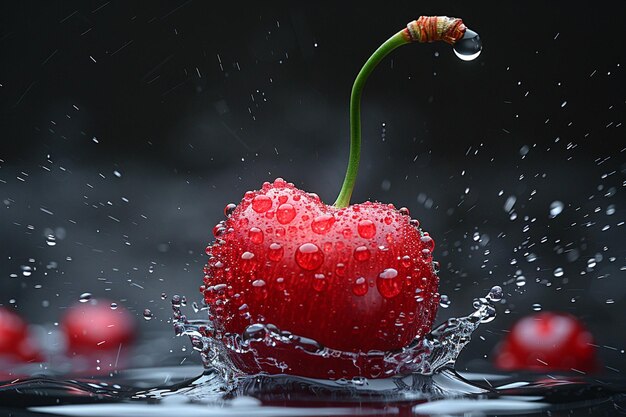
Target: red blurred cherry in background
[[547, 341], [98, 335], [16, 344]]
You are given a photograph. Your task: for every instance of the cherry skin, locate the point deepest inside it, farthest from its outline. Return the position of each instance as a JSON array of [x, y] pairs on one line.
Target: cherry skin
[[16, 344], [354, 279], [547, 341], [93, 328]]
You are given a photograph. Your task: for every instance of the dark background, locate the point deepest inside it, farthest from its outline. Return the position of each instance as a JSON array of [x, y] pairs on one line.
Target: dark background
[[127, 126]]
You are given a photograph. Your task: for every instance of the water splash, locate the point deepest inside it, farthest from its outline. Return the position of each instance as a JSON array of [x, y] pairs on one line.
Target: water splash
[[424, 357]]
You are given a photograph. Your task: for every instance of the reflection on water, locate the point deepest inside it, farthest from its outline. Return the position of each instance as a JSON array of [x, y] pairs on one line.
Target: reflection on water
[[443, 394]]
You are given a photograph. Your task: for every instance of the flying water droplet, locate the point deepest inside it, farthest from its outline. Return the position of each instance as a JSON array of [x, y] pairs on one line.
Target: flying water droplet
[[537, 307], [558, 272], [147, 314], [113, 306], [469, 46], [556, 207], [444, 301], [495, 294], [84, 297], [51, 240], [520, 281]]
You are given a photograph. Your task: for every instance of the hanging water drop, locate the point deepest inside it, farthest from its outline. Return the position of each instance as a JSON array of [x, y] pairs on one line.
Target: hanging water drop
[[469, 46]]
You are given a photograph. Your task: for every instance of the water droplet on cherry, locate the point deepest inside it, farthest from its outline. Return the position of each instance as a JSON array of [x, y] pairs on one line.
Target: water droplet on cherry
[[256, 235], [362, 254], [388, 283], [257, 283], [322, 224], [367, 229], [275, 252], [261, 203], [285, 213], [360, 286], [228, 210], [428, 242], [309, 256], [319, 282], [248, 263]]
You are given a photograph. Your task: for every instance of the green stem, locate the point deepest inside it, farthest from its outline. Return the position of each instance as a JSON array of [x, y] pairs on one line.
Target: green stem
[[343, 199]]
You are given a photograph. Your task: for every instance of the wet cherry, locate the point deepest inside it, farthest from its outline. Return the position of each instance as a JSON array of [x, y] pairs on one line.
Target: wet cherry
[[321, 286], [547, 341], [352, 278]]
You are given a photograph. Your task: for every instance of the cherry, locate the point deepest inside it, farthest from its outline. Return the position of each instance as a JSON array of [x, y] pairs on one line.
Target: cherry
[[547, 341], [289, 275], [95, 329], [16, 345]]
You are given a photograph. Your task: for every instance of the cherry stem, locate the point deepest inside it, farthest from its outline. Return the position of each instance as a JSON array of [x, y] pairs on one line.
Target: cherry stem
[[343, 199], [425, 29]]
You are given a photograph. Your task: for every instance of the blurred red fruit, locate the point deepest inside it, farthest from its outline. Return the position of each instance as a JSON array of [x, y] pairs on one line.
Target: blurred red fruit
[[547, 341], [15, 344], [94, 328]]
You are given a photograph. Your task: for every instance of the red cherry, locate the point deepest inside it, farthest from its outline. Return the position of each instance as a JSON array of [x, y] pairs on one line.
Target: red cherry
[[288, 272], [94, 327], [547, 341], [354, 279], [15, 342]]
